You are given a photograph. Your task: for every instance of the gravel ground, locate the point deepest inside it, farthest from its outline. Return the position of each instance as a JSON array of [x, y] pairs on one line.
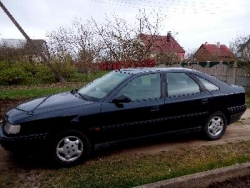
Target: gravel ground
[[239, 182]]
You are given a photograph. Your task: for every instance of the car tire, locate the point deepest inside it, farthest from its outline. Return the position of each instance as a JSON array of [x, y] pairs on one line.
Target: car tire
[[215, 126], [70, 148]]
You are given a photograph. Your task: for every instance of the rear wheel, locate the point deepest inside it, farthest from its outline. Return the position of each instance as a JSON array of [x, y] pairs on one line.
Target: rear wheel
[[70, 148], [215, 126]]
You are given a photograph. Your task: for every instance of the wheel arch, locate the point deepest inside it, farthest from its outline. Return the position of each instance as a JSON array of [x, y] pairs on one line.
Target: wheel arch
[[226, 113]]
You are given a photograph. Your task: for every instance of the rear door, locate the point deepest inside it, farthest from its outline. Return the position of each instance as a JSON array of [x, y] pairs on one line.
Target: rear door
[[187, 103]]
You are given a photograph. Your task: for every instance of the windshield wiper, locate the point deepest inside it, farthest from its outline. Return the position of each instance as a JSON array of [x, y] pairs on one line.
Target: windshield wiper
[[73, 91], [83, 96]]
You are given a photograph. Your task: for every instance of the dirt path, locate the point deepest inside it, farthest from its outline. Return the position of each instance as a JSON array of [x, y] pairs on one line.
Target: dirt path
[[6, 162], [237, 132]]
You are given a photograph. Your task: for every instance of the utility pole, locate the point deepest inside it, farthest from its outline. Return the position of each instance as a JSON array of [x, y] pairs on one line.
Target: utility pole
[[45, 59]]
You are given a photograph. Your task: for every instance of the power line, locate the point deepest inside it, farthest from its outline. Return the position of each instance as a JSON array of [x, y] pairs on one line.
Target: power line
[[228, 25], [183, 5], [225, 24], [211, 29]]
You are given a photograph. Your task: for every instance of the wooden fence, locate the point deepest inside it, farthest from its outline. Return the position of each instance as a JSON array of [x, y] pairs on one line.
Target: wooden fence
[[232, 74]]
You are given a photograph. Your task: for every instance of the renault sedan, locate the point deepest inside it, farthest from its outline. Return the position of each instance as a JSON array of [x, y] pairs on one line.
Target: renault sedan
[[121, 105]]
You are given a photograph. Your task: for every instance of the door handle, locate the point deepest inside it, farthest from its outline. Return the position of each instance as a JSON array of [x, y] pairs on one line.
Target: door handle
[[204, 101], [155, 108]]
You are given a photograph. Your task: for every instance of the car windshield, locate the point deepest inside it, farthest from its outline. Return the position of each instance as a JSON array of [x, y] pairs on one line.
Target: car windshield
[[100, 87]]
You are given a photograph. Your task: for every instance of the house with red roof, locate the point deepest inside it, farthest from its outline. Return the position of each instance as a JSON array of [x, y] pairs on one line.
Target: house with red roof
[[164, 49], [213, 52]]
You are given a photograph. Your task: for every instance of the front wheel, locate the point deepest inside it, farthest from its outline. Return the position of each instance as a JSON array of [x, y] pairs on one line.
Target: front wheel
[[70, 148], [215, 126]]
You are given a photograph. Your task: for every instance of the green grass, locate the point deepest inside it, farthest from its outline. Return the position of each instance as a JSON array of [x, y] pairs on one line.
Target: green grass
[[35, 91], [120, 170], [248, 100]]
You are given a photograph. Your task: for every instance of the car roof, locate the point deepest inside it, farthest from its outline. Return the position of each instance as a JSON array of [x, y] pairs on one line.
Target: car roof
[[151, 69]]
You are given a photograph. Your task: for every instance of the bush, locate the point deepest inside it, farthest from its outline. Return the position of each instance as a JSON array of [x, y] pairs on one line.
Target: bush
[[3, 65], [30, 68], [24, 73], [66, 70], [12, 75], [27, 73], [44, 74]]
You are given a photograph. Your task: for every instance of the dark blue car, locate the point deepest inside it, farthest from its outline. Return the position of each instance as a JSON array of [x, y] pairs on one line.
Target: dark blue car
[[121, 105]]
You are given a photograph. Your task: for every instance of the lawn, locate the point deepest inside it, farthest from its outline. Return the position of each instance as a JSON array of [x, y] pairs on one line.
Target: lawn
[[248, 100], [13, 92], [116, 169]]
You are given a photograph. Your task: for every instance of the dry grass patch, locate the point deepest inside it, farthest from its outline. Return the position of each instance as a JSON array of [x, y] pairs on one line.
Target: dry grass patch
[[119, 170]]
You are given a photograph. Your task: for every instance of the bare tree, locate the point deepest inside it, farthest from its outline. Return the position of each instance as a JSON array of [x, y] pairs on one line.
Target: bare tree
[[189, 56], [79, 41], [114, 40], [121, 41], [240, 46]]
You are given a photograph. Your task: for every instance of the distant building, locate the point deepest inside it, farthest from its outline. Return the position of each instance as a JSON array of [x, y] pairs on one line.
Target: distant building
[[165, 49], [213, 52], [29, 53], [13, 43]]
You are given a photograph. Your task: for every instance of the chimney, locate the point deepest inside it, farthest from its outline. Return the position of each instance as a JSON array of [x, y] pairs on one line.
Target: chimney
[[218, 44], [169, 36], [205, 43]]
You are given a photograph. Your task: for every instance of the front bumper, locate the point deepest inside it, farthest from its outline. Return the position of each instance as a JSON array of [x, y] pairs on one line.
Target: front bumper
[[13, 143]]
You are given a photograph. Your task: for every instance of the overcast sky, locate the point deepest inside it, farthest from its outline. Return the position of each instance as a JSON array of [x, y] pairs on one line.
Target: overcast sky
[[194, 21]]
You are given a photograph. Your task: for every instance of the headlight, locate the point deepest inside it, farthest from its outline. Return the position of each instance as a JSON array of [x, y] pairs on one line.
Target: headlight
[[12, 129]]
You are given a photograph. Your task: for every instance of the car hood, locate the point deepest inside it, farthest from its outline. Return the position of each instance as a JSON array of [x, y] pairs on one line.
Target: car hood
[[45, 105]]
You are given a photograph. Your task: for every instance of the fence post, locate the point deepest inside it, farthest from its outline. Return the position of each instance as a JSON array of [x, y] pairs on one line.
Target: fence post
[[234, 72], [207, 66]]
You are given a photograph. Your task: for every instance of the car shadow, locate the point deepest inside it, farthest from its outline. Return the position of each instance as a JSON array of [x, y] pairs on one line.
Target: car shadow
[[30, 161], [109, 149], [40, 160]]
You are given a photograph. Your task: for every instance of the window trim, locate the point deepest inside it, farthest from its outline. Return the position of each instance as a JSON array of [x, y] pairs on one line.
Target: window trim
[[134, 77], [195, 77]]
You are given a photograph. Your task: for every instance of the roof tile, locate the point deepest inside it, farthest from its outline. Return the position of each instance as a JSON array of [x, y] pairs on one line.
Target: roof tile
[[160, 43]]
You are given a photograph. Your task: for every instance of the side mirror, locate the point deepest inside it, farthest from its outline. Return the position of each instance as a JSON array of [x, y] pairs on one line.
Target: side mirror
[[122, 99]]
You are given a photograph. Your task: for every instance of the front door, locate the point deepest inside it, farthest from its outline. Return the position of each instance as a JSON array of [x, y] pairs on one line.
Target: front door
[[139, 116]]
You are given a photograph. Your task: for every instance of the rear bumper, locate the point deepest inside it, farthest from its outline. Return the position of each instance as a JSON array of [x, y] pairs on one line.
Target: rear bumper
[[13, 143], [236, 112]]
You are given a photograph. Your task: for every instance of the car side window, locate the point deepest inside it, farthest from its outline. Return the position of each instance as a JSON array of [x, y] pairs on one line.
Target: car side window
[[143, 87], [208, 85], [181, 84]]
